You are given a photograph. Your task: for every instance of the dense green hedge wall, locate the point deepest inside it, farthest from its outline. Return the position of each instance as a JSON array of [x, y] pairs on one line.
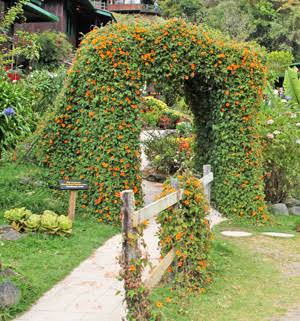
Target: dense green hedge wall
[[95, 133]]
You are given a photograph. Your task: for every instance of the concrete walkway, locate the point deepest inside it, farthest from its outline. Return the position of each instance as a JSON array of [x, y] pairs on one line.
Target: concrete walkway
[[89, 292]]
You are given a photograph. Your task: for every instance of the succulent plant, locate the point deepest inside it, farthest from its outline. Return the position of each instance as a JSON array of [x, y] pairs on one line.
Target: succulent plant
[[17, 214], [33, 222], [49, 222], [65, 224]]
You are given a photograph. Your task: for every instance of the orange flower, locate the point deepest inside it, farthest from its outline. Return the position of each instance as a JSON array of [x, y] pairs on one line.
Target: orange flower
[[159, 304], [132, 268], [203, 264], [178, 236]]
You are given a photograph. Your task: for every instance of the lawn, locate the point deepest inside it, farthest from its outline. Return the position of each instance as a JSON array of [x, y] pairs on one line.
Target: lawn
[[255, 279], [42, 260]]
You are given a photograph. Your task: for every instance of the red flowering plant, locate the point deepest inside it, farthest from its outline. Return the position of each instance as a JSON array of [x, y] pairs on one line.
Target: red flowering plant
[[95, 131]]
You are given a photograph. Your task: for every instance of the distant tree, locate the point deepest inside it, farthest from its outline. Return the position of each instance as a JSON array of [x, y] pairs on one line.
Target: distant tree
[[231, 18], [192, 10]]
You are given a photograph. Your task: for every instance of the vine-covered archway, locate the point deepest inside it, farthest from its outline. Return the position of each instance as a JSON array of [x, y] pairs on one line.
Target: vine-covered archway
[[95, 132]]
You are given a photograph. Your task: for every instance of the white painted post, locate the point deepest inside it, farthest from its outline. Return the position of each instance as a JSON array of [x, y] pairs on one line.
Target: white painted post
[[207, 187]]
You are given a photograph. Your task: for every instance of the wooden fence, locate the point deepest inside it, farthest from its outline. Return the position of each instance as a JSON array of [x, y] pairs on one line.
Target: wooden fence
[[132, 218]]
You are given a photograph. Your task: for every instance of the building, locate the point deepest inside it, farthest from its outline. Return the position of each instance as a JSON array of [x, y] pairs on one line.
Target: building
[[147, 7], [73, 17]]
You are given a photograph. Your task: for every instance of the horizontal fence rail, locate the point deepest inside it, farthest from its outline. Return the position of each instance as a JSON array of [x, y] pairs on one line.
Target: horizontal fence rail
[[132, 218], [155, 208]]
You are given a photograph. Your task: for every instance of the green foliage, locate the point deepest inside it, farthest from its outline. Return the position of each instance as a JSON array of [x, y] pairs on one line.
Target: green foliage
[[190, 9], [231, 18], [277, 63], [25, 45], [44, 87], [49, 222], [292, 85], [170, 153], [55, 49], [157, 114], [272, 24], [16, 115], [279, 127], [95, 131], [186, 230]]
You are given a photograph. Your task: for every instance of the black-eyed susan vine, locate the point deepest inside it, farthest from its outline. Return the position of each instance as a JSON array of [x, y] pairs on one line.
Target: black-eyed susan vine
[[186, 229], [95, 132]]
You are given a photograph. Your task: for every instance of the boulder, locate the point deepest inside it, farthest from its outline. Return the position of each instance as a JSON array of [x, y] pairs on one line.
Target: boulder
[[7, 233], [280, 209], [291, 202], [295, 210], [9, 294]]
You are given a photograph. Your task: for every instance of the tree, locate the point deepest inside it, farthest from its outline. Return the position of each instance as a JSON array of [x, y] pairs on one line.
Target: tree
[[192, 10], [231, 19]]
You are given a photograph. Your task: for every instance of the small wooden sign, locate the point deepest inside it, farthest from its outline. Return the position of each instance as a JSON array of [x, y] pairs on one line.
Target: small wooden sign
[[74, 185]]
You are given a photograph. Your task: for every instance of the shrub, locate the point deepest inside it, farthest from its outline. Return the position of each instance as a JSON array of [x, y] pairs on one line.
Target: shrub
[[186, 229], [167, 154], [279, 127], [55, 49], [157, 114], [16, 116], [278, 62], [45, 86]]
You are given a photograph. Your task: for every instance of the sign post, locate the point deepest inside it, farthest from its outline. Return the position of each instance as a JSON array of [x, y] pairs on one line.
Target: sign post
[[73, 186]]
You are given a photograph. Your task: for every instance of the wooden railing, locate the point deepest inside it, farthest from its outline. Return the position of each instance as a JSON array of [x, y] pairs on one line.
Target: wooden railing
[[132, 218]]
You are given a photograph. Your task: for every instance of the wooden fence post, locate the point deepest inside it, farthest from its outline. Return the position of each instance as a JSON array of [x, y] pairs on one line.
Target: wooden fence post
[[130, 249], [72, 205], [207, 187]]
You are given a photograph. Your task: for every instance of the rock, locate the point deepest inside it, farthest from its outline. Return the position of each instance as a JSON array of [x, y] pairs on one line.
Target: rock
[[156, 178], [291, 202], [7, 233], [280, 209], [295, 210], [9, 294], [7, 272]]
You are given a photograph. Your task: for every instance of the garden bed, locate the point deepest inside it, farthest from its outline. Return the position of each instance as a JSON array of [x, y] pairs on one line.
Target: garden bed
[[41, 260]]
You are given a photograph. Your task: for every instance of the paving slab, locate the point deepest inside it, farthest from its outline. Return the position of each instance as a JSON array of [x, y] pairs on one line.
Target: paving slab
[[236, 233], [275, 234]]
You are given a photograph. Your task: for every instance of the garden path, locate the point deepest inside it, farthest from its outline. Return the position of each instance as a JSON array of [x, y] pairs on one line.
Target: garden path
[[89, 292]]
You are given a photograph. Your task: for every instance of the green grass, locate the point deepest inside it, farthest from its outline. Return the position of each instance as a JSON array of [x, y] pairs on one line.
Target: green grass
[[254, 280], [42, 260], [284, 224]]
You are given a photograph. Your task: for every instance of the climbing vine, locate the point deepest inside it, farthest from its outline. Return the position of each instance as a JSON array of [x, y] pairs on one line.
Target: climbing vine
[[95, 132], [186, 229]]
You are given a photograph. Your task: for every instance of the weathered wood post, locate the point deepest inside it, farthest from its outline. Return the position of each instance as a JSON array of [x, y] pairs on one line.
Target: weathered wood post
[[207, 187], [72, 205], [130, 247]]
